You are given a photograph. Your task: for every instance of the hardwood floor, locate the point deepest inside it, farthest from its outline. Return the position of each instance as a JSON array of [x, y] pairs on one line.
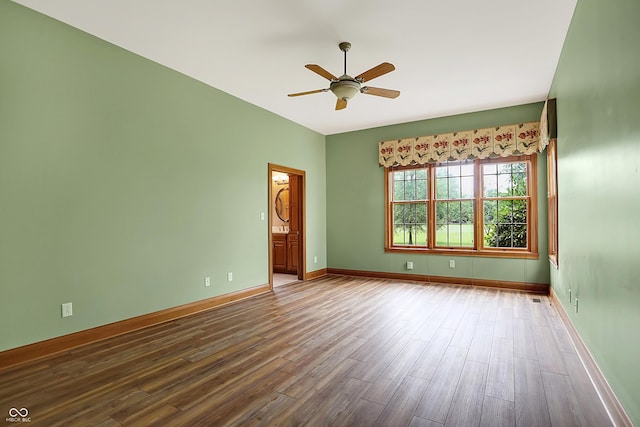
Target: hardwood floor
[[336, 351], [280, 279]]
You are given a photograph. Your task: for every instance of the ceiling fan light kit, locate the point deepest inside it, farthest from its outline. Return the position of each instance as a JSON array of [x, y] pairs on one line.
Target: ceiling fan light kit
[[346, 87]]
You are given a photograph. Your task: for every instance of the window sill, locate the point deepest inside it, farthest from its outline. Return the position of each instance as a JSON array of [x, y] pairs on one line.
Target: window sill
[[490, 253]]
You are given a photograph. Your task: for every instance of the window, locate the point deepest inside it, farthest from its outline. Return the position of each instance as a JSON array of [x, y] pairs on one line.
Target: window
[[504, 201], [410, 189], [454, 217], [485, 207]]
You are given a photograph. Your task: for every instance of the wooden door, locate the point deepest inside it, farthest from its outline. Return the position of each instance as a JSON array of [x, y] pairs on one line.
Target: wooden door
[[294, 224]]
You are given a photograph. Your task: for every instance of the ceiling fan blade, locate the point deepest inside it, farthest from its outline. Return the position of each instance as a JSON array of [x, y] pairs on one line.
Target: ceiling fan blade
[[387, 93], [321, 71], [376, 71], [341, 104], [308, 93]]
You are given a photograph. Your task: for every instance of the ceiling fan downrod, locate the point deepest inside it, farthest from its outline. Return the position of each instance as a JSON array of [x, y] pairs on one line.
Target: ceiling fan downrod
[[345, 46]]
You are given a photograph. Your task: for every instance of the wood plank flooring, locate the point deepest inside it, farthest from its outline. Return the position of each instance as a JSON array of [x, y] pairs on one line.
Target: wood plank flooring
[[336, 351]]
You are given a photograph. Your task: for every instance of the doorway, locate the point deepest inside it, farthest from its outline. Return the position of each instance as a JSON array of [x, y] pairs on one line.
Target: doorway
[[287, 248]]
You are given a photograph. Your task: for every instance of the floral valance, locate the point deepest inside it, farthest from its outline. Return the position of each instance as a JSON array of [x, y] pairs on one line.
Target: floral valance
[[502, 141]]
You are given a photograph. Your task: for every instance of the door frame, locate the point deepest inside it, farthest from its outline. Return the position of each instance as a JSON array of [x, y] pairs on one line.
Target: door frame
[[302, 252]]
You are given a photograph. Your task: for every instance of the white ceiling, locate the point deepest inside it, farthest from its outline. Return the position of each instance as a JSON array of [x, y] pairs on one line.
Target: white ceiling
[[451, 57]]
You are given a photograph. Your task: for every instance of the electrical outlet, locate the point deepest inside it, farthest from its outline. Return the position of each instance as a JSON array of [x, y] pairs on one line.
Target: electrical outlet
[[67, 309], [452, 263], [315, 259], [207, 281], [229, 277], [409, 265], [261, 216]]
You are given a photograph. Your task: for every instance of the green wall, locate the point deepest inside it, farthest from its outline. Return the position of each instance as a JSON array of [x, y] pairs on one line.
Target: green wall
[[597, 85], [124, 183], [355, 203]]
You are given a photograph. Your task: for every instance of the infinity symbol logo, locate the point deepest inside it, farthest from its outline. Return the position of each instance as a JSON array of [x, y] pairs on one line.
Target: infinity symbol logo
[[15, 412]]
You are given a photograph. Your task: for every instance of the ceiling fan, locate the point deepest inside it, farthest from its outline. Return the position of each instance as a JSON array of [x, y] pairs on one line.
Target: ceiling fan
[[346, 87]]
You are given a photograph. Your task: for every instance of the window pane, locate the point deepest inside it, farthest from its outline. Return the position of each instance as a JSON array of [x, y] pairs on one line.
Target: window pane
[[409, 235], [467, 234], [519, 211], [519, 183], [398, 214], [505, 179], [410, 224], [467, 169], [490, 235], [410, 190], [520, 236], [504, 168], [455, 181], [442, 213], [421, 213], [454, 188], [442, 188], [504, 185], [410, 185], [504, 236], [519, 167], [491, 212], [410, 214], [454, 212], [490, 185], [398, 190], [454, 235], [466, 212], [421, 189], [505, 211], [454, 224], [466, 190], [399, 235], [505, 224], [489, 169], [442, 235]]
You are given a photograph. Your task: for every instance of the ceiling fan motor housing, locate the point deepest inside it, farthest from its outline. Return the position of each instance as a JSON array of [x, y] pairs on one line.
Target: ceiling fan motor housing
[[345, 88]]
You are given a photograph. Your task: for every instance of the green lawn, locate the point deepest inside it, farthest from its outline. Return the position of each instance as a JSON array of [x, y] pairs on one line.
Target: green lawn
[[454, 231]]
